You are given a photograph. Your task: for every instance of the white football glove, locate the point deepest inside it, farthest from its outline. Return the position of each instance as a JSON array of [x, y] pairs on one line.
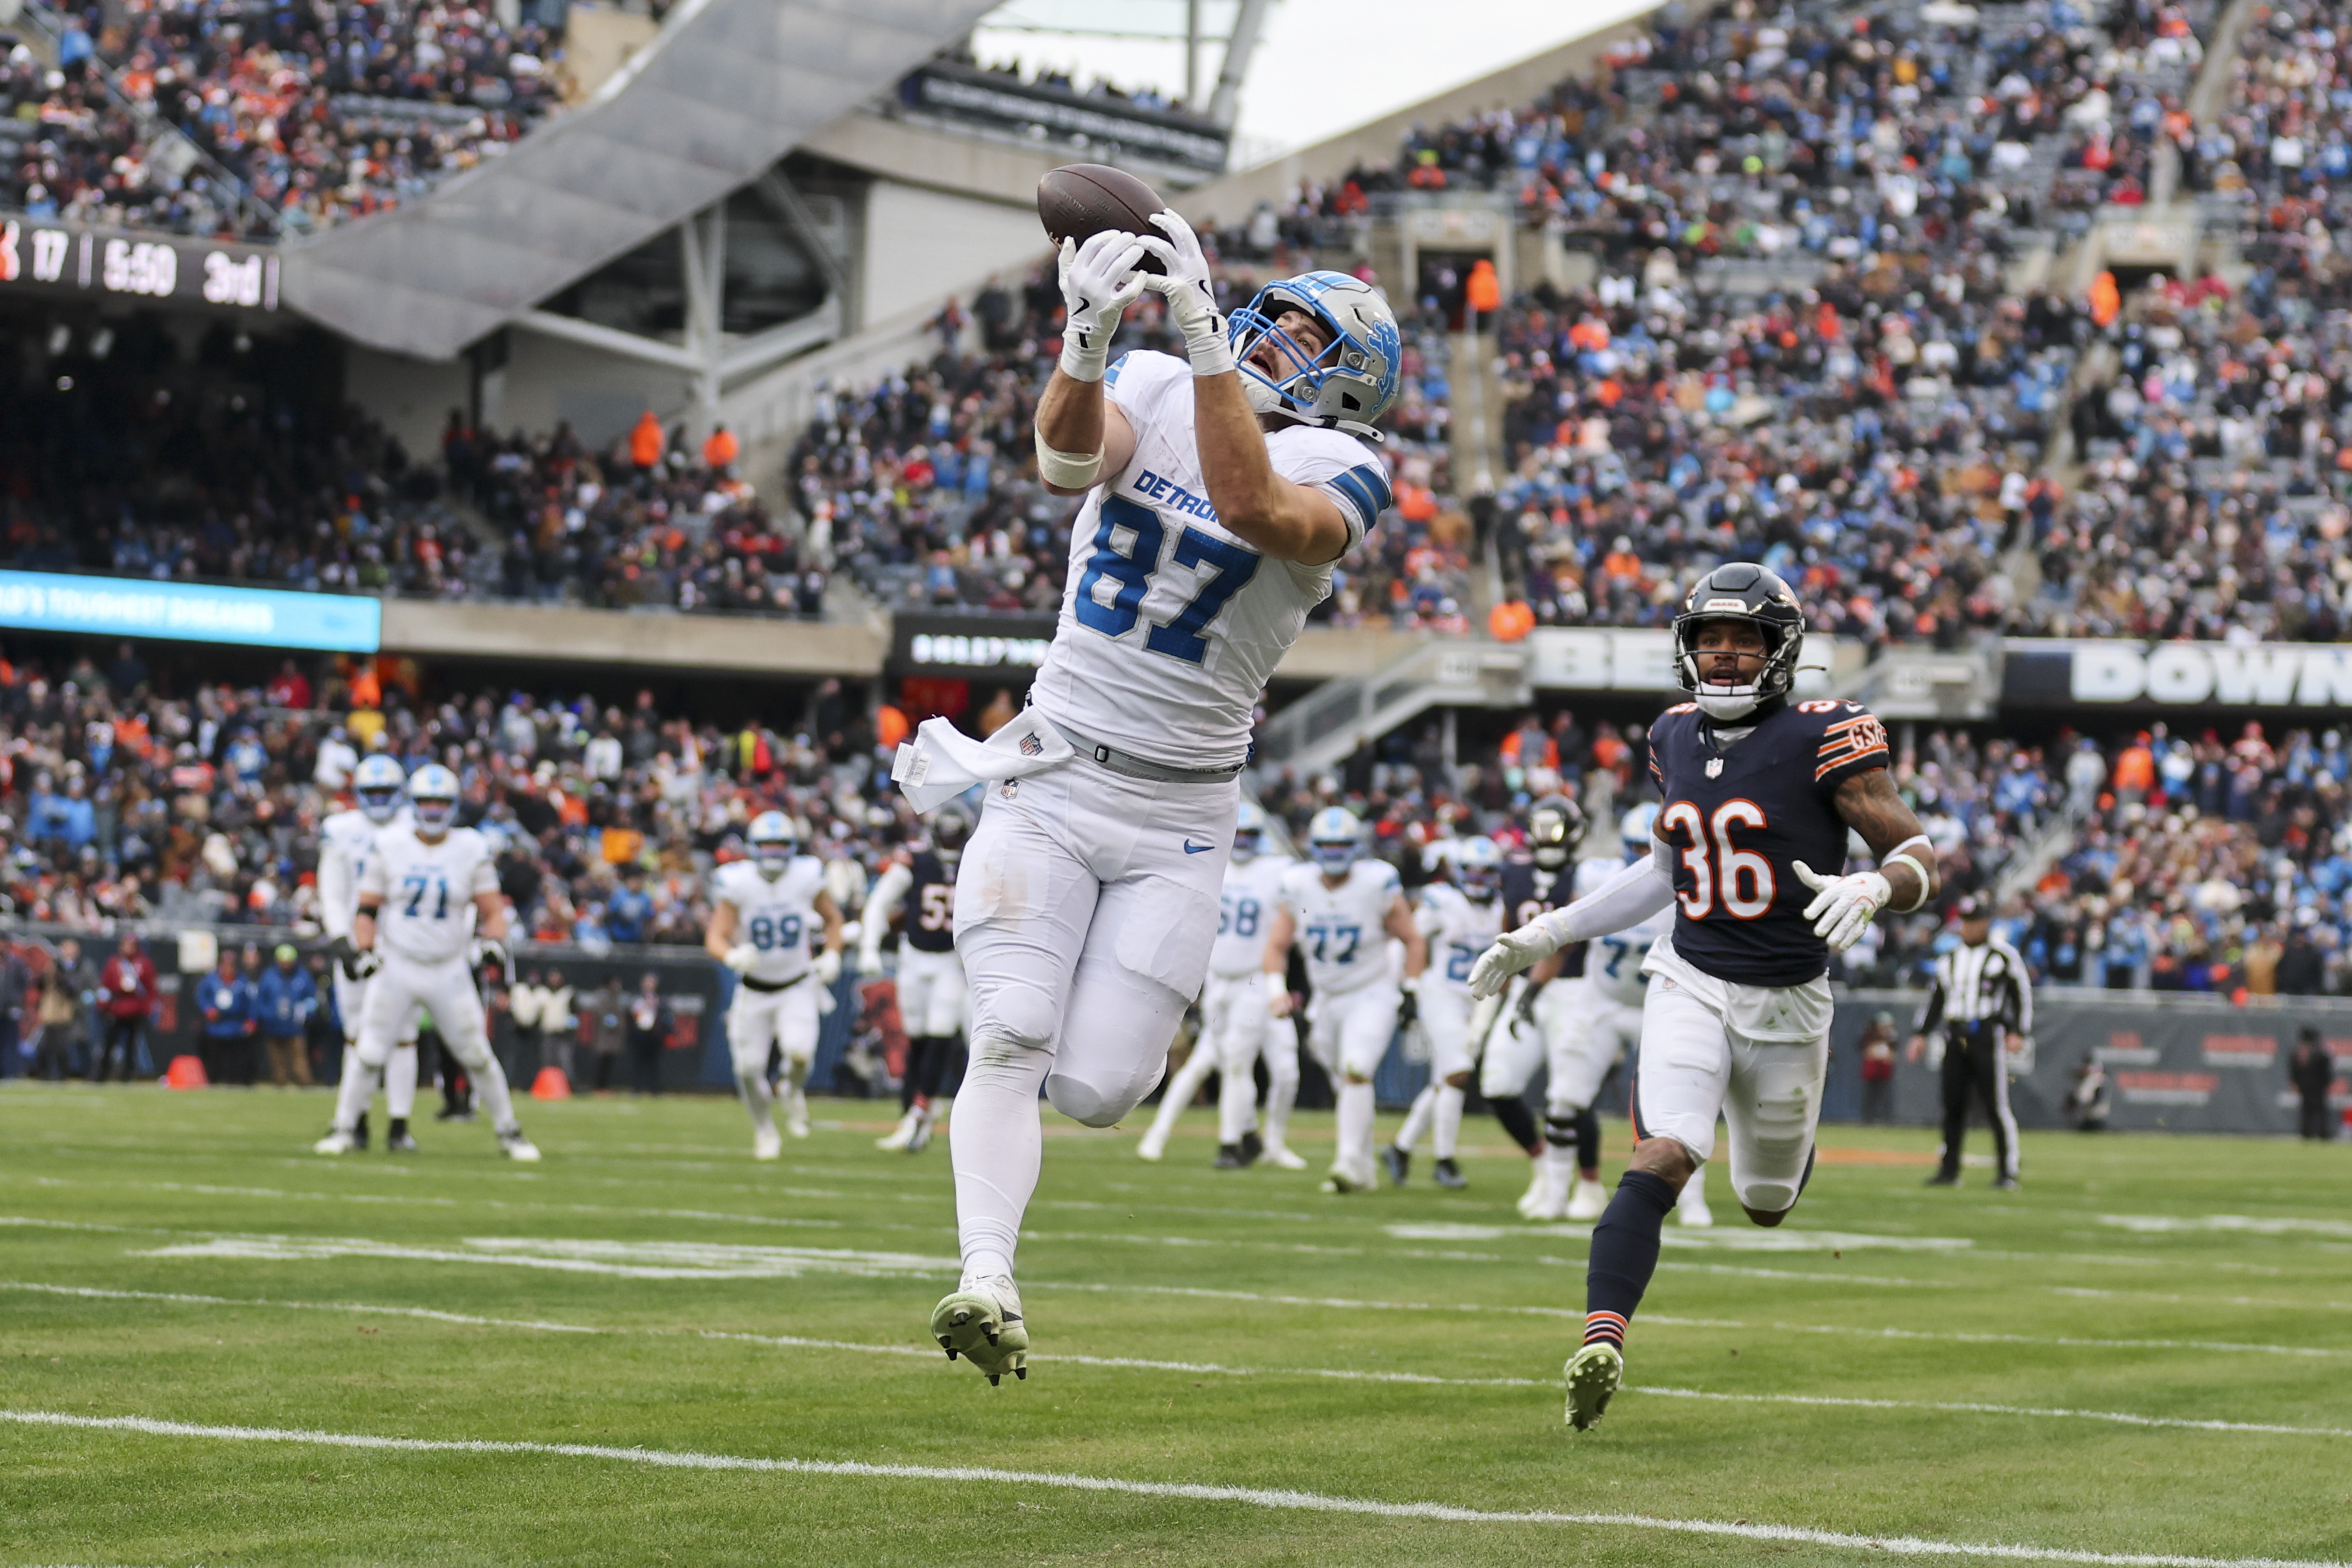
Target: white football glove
[[1513, 951], [1098, 283], [1844, 906], [827, 967], [1191, 293], [741, 957]]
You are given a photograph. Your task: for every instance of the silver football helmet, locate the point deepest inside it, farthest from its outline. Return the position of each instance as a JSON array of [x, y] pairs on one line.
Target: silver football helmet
[[1351, 381]]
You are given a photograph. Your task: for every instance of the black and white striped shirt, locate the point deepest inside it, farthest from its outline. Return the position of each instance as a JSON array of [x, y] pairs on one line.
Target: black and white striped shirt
[[1973, 984]]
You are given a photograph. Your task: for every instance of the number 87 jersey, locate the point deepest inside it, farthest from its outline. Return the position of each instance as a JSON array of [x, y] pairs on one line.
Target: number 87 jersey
[[1171, 624], [1737, 818]]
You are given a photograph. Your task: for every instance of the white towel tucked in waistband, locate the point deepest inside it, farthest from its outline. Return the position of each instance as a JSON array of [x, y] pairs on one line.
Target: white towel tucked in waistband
[[942, 762]]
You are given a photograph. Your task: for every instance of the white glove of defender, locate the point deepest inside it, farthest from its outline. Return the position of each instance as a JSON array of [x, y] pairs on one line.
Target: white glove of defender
[[741, 957], [1191, 293], [1098, 283], [1842, 906], [827, 967], [1513, 951]]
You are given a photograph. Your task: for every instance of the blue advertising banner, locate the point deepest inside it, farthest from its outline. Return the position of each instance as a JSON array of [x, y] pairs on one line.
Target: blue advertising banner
[[189, 612]]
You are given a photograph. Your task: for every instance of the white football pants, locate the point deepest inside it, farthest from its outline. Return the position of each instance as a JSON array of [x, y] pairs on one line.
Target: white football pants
[[1234, 1007], [1348, 1034], [932, 997], [1578, 1035], [446, 990], [1085, 906], [1694, 1066]]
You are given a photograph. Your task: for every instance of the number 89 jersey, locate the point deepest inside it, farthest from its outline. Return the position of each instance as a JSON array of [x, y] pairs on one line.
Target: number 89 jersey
[[1245, 910], [778, 919], [1737, 818], [1171, 626], [427, 891], [1342, 930]]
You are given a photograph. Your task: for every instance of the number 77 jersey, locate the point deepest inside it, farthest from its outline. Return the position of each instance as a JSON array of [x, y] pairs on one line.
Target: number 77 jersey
[[1736, 818], [1171, 624]]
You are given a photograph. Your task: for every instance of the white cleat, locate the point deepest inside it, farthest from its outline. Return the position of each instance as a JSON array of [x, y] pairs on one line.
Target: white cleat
[[797, 1115], [1275, 1154], [336, 1143], [1148, 1150], [1589, 1200], [519, 1147], [767, 1144], [899, 1137], [1538, 1190], [1553, 1206], [1691, 1209], [923, 1125]]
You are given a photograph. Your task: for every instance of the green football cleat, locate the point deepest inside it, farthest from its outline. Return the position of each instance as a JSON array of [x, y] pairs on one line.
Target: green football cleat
[[984, 1325], [1593, 1375]]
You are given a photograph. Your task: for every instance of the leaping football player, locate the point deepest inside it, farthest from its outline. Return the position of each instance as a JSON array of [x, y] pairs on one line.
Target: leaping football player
[[1760, 792], [768, 915], [1220, 493]]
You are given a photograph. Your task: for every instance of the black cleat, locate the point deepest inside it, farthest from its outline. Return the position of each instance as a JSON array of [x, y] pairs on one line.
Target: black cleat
[[399, 1143], [2007, 1184], [1229, 1158], [994, 1378], [1446, 1173], [1398, 1163], [1940, 1180], [1252, 1147]]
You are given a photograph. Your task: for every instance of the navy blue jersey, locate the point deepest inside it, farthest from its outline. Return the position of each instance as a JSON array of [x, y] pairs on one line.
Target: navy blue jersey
[[1737, 818], [1529, 891], [930, 905]]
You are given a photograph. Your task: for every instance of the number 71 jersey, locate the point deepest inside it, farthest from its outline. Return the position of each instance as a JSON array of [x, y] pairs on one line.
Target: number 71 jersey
[[1171, 624], [1738, 817], [428, 890], [777, 918]]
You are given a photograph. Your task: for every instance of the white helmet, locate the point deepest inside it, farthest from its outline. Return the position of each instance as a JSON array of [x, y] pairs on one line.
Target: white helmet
[[433, 795], [1249, 831], [1637, 828], [377, 783], [774, 843], [1478, 868], [1335, 838], [1351, 381]]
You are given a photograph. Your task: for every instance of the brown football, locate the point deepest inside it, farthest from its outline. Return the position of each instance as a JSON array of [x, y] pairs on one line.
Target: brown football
[[1078, 201]]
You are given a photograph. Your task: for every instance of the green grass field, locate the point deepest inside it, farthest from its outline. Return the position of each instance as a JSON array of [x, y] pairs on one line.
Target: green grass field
[[1942, 1366]]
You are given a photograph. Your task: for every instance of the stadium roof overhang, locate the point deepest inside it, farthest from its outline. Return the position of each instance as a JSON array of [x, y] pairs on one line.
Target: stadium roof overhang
[[727, 89]]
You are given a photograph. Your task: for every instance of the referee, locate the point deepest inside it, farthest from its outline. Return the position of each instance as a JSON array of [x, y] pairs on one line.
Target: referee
[[1981, 993]]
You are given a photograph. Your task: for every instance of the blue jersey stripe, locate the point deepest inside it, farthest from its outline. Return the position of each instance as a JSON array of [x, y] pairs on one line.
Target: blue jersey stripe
[[1351, 485]]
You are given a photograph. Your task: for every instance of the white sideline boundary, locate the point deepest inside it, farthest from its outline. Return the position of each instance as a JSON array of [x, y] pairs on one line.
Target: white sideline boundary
[[924, 1352], [1256, 1497]]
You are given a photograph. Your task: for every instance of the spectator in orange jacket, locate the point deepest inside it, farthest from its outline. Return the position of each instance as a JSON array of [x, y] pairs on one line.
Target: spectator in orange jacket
[[720, 451], [646, 441]]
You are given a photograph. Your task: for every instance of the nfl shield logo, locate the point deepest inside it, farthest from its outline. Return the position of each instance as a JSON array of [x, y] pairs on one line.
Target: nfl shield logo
[[1715, 767], [1031, 745]]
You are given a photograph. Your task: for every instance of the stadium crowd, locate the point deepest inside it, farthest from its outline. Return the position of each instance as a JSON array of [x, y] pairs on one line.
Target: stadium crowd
[[308, 115]]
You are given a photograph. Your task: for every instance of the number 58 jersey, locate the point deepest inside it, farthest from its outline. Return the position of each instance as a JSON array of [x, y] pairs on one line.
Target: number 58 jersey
[[1246, 908], [1171, 625], [428, 890], [1738, 817], [777, 918]]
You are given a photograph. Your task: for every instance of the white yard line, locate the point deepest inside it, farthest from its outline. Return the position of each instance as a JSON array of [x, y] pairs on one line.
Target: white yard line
[[1972, 1407], [1255, 1497]]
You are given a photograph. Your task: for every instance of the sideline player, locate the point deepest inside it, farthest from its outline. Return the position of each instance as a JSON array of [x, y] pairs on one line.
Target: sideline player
[[1758, 791], [1340, 910], [1223, 492], [1235, 1026], [929, 981], [1506, 1030], [413, 898], [763, 911], [1458, 920], [346, 842]]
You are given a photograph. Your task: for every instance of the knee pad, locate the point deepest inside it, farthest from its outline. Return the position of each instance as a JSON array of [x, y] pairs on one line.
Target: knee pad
[[1560, 1130], [473, 1054], [1095, 1104], [1017, 1019], [372, 1054]]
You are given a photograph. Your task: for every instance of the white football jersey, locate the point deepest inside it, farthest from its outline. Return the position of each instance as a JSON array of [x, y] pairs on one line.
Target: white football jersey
[[1459, 928], [1171, 626], [1341, 930], [779, 918], [1613, 962], [428, 890], [1245, 910], [346, 843]]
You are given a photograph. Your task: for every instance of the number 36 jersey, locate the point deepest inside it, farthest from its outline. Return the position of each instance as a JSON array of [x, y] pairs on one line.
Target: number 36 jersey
[[1737, 816], [1342, 930], [1246, 908], [428, 890], [1171, 626], [776, 917]]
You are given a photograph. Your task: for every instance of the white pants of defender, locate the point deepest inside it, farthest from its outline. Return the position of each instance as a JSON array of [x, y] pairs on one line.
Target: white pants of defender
[[1694, 1066], [1236, 1025], [1444, 1015], [350, 1006], [931, 996], [1578, 1035], [785, 1019], [1349, 1032], [446, 990], [1083, 924]]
